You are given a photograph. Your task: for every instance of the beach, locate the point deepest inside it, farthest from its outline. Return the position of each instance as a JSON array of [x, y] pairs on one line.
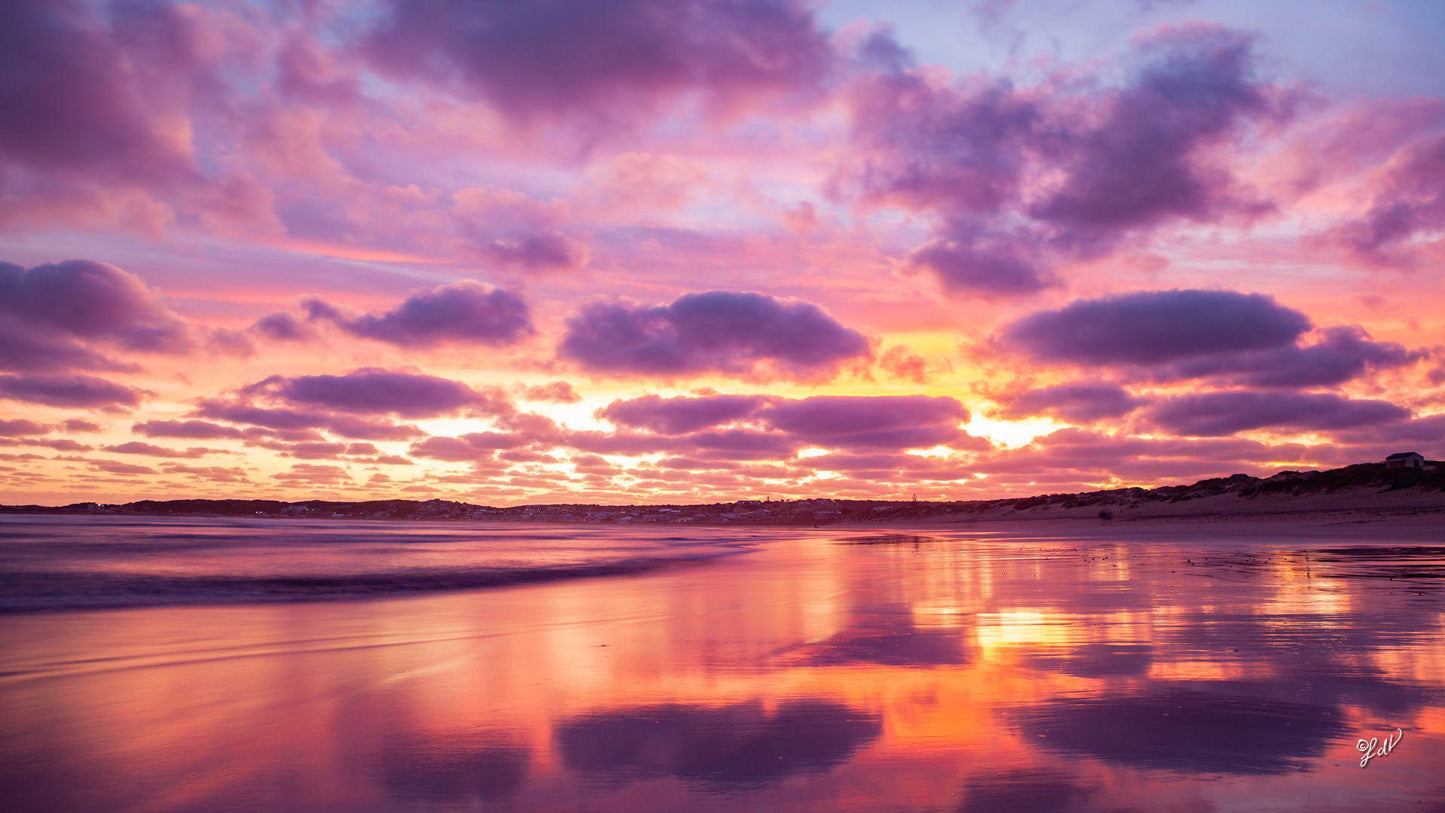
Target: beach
[[1019, 667]]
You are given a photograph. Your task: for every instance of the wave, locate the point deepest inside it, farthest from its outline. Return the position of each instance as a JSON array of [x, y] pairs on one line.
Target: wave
[[25, 592]]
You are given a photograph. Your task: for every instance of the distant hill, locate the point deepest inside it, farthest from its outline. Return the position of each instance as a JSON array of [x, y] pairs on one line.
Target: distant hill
[[1366, 486]]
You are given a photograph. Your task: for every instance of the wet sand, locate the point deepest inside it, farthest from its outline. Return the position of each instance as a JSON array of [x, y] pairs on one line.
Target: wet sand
[[1023, 666]]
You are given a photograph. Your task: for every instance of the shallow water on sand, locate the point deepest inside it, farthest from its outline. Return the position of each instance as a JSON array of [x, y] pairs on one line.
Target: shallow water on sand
[[803, 669]]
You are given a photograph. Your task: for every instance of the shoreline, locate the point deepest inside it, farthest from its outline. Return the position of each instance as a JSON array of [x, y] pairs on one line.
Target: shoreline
[[1403, 514]]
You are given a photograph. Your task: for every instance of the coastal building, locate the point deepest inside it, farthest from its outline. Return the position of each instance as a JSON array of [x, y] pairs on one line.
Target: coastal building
[[1405, 460]]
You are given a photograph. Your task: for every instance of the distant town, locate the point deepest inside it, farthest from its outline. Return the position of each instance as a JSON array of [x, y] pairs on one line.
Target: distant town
[[1406, 480]]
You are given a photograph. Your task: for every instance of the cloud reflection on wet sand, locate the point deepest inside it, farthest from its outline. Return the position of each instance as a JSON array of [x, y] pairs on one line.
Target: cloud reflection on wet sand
[[972, 672]]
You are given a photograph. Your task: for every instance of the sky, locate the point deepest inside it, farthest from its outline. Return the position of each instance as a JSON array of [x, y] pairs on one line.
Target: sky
[[664, 251]]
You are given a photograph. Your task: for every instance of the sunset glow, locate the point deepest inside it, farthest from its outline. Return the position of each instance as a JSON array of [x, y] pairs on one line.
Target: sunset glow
[[665, 252]]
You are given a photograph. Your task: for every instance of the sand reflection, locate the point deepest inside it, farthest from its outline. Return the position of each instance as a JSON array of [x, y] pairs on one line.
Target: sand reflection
[[964, 671]]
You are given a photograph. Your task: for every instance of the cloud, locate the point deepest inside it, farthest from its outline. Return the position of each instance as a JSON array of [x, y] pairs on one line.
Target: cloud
[[19, 427], [69, 391], [1081, 403], [546, 251], [927, 146], [1024, 179], [268, 417], [1153, 327], [1243, 340], [1081, 459], [680, 416], [1141, 165], [464, 312], [309, 73], [373, 392], [76, 94], [1342, 354], [364, 429], [710, 432], [151, 450], [470, 447], [30, 348], [49, 311], [191, 430], [313, 474], [116, 467], [904, 363], [100, 102], [603, 66], [1224, 413], [286, 327], [557, 392], [1409, 201], [966, 262], [739, 334], [900, 421]]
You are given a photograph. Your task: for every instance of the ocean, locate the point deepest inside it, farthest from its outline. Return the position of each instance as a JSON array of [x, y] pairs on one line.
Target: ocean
[[69, 562]]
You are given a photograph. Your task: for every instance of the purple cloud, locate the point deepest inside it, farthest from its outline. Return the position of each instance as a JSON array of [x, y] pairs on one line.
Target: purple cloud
[[1023, 179], [286, 327], [27, 347], [930, 147], [308, 73], [715, 332], [1429, 429], [76, 96], [152, 450], [602, 64], [1141, 165], [680, 416], [965, 262], [1152, 327], [373, 391], [19, 427], [1081, 403], [546, 251], [290, 424], [190, 430], [270, 418], [908, 421], [743, 444], [358, 429], [468, 447], [69, 391], [1342, 354], [1224, 413], [462, 312], [48, 308], [1410, 200]]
